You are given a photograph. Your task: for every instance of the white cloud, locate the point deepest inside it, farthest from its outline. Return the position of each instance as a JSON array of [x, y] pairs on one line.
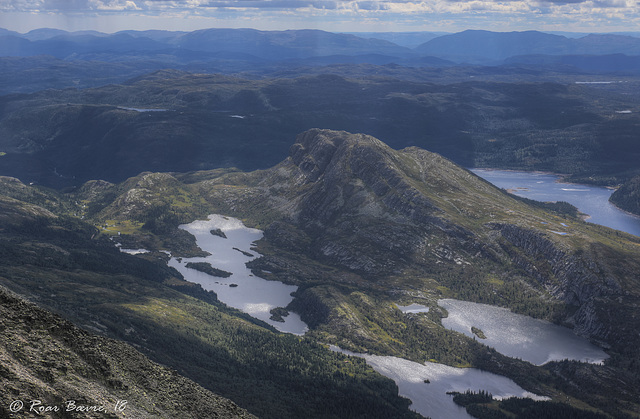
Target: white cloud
[[511, 14], [113, 5]]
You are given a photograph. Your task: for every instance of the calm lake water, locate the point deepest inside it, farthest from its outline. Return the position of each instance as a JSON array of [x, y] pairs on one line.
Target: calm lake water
[[431, 399], [591, 200], [242, 290], [519, 336]]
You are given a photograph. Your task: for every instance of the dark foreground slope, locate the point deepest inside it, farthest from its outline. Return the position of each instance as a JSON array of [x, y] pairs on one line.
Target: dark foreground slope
[[48, 362], [360, 228]]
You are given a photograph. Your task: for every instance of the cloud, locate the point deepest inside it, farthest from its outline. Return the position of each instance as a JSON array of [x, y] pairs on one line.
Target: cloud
[[427, 14], [378, 6], [68, 5]]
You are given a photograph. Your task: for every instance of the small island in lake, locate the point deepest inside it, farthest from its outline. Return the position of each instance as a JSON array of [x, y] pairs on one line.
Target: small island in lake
[[278, 314], [243, 252], [478, 332], [208, 269], [218, 232]]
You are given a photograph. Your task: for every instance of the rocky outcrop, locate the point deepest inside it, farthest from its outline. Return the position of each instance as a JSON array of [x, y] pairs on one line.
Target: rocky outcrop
[[349, 170], [375, 211]]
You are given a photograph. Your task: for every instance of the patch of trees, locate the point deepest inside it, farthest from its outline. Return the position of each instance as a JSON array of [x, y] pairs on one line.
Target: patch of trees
[[627, 196], [482, 405]]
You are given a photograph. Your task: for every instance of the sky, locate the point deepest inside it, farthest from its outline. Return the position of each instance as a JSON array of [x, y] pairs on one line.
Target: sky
[[332, 15]]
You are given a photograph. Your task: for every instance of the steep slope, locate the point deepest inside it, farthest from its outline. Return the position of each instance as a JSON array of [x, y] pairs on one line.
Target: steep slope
[[353, 203], [46, 361], [378, 212]]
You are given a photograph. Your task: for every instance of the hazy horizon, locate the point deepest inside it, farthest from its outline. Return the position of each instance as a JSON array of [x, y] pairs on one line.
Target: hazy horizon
[[109, 16], [568, 34]]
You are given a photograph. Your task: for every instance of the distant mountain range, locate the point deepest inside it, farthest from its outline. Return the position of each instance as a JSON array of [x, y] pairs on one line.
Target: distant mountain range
[[471, 46], [476, 46], [459, 122], [51, 58], [273, 45]]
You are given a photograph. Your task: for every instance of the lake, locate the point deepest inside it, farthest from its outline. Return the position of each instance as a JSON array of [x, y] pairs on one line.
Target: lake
[[519, 336], [591, 200], [431, 399], [242, 290]]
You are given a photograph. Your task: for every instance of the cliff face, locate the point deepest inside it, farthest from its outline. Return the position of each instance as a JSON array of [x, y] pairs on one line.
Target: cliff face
[[347, 208], [361, 228], [353, 196], [575, 280]]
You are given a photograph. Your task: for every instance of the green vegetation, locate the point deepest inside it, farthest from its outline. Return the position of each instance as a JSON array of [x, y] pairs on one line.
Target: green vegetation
[[481, 405], [372, 229], [471, 397], [559, 127], [627, 196], [47, 358], [117, 227], [278, 314]]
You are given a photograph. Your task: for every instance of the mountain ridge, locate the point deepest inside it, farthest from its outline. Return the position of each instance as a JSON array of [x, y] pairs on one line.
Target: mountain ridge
[[75, 269], [470, 46], [477, 46]]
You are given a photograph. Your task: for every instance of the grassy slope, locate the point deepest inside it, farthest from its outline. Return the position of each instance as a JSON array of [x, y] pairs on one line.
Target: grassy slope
[[356, 309]]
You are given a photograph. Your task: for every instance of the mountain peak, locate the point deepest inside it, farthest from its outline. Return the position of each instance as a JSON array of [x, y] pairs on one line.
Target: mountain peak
[[314, 149]]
